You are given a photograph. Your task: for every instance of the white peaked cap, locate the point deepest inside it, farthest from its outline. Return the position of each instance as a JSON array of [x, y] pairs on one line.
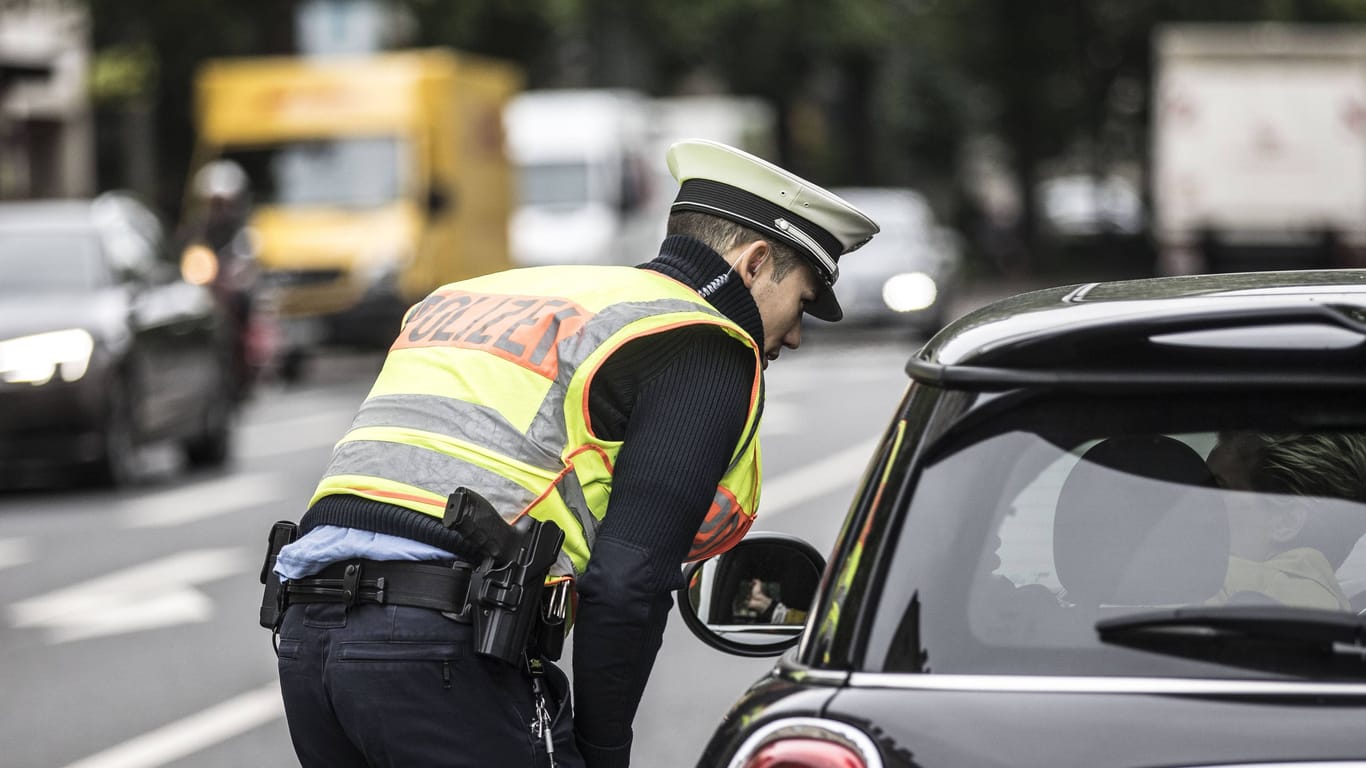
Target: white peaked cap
[[735, 185]]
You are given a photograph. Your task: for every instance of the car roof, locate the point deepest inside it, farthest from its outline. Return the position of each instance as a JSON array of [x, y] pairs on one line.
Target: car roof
[[1260, 328]]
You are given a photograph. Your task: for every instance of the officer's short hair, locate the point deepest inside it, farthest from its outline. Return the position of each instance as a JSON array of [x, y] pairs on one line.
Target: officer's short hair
[[721, 235]]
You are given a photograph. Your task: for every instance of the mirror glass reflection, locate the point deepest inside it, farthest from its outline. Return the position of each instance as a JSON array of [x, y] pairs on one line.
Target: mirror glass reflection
[[755, 593]]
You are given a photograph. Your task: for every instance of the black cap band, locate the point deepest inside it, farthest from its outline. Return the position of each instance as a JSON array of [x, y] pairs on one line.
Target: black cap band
[[750, 210]]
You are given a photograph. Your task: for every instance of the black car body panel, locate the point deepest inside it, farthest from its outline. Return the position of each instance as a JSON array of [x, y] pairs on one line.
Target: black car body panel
[[1042, 729], [989, 599], [1041, 723], [1061, 327], [789, 692]]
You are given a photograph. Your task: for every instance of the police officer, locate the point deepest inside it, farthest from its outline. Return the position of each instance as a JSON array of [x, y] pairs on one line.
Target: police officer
[[620, 403]]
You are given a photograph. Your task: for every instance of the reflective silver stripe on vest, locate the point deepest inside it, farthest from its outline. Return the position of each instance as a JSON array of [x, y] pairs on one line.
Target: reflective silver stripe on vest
[[549, 420], [617, 316], [541, 446], [753, 431], [429, 470], [478, 425], [474, 424], [571, 492]]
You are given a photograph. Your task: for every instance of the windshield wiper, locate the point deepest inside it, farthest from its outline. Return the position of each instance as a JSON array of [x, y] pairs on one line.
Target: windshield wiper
[[1271, 622], [1295, 640]]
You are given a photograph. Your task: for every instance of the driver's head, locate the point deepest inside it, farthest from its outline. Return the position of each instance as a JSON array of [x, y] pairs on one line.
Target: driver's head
[[1281, 467]]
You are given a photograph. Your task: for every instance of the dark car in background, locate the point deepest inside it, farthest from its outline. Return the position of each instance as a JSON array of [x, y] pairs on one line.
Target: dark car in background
[[908, 275], [1113, 524], [104, 347]]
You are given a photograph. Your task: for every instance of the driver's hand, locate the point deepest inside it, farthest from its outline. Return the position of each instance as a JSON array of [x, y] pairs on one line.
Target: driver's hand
[[758, 601]]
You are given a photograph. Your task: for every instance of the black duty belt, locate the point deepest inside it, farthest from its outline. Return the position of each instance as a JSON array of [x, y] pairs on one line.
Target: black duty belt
[[423, 585]]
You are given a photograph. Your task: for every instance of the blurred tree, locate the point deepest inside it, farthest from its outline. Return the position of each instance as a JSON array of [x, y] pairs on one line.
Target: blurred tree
[[813, 60], [525, 31], [888, 92], [1059, 83], [167, 40], [818, 63]]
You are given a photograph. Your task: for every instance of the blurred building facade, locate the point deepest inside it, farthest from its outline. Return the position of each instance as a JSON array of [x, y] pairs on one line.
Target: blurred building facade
[[46, 128]]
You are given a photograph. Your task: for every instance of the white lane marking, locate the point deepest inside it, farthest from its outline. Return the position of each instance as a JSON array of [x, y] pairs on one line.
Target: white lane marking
[[202, 500], [156, 594], [189, 735], [275, 438], [15, 552], [815, 478]]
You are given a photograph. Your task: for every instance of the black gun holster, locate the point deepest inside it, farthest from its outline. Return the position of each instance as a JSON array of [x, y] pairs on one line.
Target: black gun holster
[[273, 598], [507, 587]]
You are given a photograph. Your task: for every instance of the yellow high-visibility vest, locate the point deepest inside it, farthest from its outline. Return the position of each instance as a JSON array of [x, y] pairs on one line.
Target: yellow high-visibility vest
[[487, 387]]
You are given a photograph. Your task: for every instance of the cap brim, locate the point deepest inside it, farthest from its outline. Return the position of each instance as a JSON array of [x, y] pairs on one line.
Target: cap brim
[[826, 307]]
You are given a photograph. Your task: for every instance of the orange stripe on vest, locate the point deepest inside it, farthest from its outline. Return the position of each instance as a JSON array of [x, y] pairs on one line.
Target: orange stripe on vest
[[723, 528]]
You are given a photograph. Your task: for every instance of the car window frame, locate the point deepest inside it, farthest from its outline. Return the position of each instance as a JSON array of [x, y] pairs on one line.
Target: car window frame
[[924, 413], [991, 416]]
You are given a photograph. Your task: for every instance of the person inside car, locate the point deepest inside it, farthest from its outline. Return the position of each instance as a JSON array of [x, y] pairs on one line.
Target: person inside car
[[1295, 514], [785, 601]]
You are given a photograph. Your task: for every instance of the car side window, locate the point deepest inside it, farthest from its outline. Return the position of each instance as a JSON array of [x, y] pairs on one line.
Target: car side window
[[1110, 524], [132, 239], [1031, 513], [130, 255]]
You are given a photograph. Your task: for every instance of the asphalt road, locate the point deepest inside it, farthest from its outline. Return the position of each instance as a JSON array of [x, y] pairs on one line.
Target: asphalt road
[[128, 621]]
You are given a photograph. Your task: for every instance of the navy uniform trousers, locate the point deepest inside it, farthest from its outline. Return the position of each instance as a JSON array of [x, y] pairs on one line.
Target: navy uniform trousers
[[397, 686]]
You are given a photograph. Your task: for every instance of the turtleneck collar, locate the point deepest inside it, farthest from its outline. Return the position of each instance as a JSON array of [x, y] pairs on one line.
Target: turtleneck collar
[[693, 263]]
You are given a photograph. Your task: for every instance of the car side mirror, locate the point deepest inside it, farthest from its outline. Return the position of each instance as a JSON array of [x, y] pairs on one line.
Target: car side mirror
[[754, 599]]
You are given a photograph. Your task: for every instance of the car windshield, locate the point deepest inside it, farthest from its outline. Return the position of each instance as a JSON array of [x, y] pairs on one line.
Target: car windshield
[[351, 172], [39, 262], [554, 185], [904, 235], [901, 244], [1200, 536]]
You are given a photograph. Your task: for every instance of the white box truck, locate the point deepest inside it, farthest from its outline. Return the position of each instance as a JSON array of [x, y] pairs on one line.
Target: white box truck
[[1259, 147], [584, 192], [744, 122]]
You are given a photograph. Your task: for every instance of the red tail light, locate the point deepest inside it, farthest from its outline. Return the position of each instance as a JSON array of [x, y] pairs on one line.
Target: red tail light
[[805, 753], [806, 742]]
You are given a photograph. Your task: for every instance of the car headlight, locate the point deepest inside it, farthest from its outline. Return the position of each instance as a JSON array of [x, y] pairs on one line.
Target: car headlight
[[909, 291], [199, 264], [36, 359]]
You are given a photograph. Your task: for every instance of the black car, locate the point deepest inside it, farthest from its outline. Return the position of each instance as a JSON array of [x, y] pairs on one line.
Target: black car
[[103, 346], [1114, 524]]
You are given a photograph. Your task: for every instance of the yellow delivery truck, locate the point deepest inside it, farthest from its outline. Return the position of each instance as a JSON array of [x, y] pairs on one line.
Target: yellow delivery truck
[[373, 180]]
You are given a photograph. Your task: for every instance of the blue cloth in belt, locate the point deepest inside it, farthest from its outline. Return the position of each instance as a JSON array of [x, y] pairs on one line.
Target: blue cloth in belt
[[328, 544]]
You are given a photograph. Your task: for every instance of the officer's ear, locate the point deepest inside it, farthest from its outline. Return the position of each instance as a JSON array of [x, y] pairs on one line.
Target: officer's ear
[[752, 257]]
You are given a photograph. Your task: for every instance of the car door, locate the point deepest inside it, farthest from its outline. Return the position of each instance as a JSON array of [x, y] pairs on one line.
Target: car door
[[170, 328]]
